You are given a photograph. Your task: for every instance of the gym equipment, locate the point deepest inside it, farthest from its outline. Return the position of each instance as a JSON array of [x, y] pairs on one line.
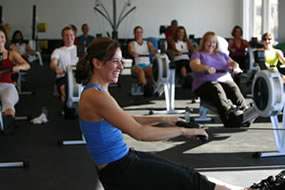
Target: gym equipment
[[164, 78], [14, 164], [223, 45], [163, 29], [268, 99], [268, 95], [203, 138], [205, 105], [73, 95], [187, 124], [36, 28], [19, 84], [267, 91], [74, 89], [20, 93], [114, 24], [10, 164]]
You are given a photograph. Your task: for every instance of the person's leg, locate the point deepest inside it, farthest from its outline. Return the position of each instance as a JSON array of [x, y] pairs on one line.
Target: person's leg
[[9, 98], [181, 67], [60, 82], [142, 171], [148, 71], [219, 185], [139, 72], [214, 93], [183, 72], [185, 67], [234, 94], [62, 93]]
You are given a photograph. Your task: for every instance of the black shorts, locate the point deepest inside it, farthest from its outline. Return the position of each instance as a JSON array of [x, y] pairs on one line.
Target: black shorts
[[182, 63], [59, 82]]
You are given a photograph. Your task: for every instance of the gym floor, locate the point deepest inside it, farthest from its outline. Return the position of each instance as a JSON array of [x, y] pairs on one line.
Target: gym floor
[[227, 156]]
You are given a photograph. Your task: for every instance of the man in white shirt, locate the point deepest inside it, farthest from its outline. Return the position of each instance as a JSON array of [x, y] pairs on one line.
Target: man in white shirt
[[62, 57]]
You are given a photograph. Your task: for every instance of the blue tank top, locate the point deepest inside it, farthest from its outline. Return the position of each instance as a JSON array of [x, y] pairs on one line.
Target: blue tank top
[[104, 141]]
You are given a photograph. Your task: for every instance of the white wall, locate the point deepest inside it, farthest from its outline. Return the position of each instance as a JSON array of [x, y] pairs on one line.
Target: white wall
[[197, 16]]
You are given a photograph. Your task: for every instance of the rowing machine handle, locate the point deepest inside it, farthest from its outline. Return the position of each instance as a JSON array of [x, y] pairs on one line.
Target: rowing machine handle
[[203, 138], [187, 125]]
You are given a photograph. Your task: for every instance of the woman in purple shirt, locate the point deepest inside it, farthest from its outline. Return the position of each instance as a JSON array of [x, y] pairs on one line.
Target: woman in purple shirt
[[215, 86]]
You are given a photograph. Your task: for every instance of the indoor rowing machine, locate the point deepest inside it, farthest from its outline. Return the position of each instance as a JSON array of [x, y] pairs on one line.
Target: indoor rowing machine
[[164, 79]]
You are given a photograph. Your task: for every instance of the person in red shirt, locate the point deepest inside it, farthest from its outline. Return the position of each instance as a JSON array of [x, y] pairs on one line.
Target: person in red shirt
[[169, 33], [237, 47], [10, 62]]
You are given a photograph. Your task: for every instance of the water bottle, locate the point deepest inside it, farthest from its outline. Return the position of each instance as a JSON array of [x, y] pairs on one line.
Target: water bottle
[[187, 115]]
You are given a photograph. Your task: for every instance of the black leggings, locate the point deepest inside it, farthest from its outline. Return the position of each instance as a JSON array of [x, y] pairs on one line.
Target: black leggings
[[141, 171], [219, 94]]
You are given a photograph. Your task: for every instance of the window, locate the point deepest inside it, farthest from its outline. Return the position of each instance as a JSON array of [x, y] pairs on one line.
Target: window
[[257, 19], [273, 19], [260, 16]]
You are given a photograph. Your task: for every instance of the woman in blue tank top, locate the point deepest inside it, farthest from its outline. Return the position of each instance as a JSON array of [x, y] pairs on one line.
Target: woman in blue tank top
[[102, 122]]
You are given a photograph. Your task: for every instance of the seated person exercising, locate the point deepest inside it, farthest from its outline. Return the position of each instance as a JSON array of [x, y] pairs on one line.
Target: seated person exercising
[[237, 47], [84, 39], [11, 62], [139, 50], [61, 58], [169, 33], [182, 48], [214, 87], [102, 122], [20, 45], [272, 55]]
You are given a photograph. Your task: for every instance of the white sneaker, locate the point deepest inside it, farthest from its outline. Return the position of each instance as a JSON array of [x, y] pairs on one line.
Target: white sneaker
[[40, 119]]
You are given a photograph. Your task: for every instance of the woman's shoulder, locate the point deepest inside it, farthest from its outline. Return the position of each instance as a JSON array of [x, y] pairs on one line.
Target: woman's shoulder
[[278, 51], [93, 94], [219, 53], [12, 52], [197, 55]]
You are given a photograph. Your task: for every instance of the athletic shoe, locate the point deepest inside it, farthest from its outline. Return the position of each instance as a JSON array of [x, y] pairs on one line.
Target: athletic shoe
[[280, 180], [265, 184], [271, 183], [40, 120], [8, 125]]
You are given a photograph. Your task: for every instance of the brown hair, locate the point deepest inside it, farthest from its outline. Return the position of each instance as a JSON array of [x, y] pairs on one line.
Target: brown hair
[[175, 36], [234, 30], [84, 25], [68, 27], [3, 29], [206, 36], [136, 28], [101, 48]]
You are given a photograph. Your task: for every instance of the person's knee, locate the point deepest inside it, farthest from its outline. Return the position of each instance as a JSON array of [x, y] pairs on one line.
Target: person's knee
[[138, 70], [215, 88], [140, 74], [9, 111], [183, 71], [148, 71]]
